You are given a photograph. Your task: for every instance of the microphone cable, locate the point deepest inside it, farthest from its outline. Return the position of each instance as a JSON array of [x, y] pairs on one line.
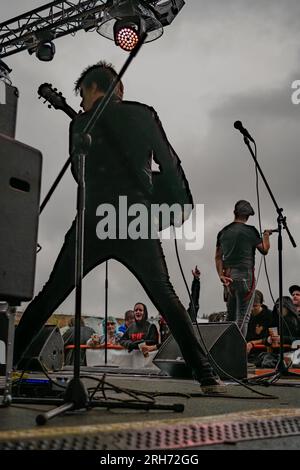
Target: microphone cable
[[260, 223]]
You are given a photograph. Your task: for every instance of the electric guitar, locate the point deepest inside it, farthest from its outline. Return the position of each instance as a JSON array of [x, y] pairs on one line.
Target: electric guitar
[[55, 99], [162, 193]]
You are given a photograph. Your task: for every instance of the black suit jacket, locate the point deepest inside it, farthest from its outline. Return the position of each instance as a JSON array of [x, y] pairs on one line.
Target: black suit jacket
[[124, 140]]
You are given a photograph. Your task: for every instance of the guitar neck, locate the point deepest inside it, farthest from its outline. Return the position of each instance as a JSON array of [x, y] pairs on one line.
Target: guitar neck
[[69, 111]]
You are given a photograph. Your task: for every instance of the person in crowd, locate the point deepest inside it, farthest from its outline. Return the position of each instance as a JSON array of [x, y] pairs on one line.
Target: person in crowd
[[192, 309], [64, 326], [141, 331], [235, 262], [261, 319], [290, 320], [69, 340], [217, 317], [124, 142], [128, 320], [113, 337], [290, 332], [164, 330], [295, 294]]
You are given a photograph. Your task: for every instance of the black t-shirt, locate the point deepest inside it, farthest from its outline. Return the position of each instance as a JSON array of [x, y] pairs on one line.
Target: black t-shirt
[[139, 332], [238, 242], [259, 324]]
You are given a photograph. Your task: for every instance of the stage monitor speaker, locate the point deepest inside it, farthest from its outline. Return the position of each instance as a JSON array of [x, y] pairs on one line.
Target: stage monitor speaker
[[223, 340], [8, 109], [46, 351], [20, 181]]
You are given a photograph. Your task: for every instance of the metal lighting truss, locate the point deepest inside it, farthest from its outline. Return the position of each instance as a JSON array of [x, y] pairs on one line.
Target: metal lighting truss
[[59, 18]]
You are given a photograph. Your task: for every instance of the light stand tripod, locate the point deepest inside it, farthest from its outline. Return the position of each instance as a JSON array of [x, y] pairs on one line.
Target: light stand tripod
[[281, 368], [76, 396]]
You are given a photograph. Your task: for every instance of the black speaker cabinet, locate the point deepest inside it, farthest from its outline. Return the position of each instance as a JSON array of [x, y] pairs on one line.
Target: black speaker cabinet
[[8, 109], [20, 181], [46, 351], [225, 343]]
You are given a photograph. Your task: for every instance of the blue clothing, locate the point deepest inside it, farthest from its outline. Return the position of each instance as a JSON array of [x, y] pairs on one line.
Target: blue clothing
[[122, 328]]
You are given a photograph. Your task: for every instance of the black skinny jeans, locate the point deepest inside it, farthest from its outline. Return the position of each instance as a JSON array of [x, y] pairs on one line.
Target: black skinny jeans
[[145, 259]]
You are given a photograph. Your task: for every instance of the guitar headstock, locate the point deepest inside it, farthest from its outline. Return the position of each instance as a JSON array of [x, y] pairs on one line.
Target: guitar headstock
[[54, 98]]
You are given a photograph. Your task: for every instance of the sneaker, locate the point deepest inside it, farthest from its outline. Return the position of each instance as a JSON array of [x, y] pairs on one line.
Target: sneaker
[[213, 386]]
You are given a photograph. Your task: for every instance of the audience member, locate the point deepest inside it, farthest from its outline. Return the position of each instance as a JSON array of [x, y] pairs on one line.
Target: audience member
[[128, 320], [217, 317], [290, 332], [195, 294], [141, 331], [290, 320], [192, 310], [295, 294], [69, 339], [164, 330], [113, 338], [261, 319]]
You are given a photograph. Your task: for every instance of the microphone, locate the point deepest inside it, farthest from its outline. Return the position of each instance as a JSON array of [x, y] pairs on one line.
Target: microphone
[[239, 126]]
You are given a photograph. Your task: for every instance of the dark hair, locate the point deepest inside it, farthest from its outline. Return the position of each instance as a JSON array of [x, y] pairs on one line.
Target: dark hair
[[288, 304], [243, 208], [102, 74], [294, 288], [258, 297], [129, 314], [145, 317]]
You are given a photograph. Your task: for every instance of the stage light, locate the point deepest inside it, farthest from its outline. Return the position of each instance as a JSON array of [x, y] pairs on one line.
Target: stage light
[[41, 43], [125, 22], [127, 32], [45, 51]]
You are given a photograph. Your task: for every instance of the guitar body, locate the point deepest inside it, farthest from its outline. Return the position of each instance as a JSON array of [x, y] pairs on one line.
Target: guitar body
[[179, 194]]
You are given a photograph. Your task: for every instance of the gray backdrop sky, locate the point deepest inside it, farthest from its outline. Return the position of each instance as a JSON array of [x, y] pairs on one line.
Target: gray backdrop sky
[[220, 60]]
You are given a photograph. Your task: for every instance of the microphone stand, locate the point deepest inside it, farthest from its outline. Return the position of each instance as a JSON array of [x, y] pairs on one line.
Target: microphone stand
[[281, 369], [105, 312], [76, 396]]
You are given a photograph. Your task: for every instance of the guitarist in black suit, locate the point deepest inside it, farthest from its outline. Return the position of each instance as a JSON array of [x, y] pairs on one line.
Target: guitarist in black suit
[[124, 140]]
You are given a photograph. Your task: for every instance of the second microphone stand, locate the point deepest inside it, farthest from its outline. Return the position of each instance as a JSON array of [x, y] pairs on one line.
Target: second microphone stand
[[281, 369]]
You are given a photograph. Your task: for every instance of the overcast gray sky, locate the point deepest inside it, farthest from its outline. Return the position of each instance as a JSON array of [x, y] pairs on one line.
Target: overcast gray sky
[[219, 61]]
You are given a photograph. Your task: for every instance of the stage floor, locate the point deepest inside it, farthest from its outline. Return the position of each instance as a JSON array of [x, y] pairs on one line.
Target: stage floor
[[240, 420]]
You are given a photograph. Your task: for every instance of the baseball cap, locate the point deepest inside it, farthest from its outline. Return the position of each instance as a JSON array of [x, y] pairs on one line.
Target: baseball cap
[[243, 207]]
